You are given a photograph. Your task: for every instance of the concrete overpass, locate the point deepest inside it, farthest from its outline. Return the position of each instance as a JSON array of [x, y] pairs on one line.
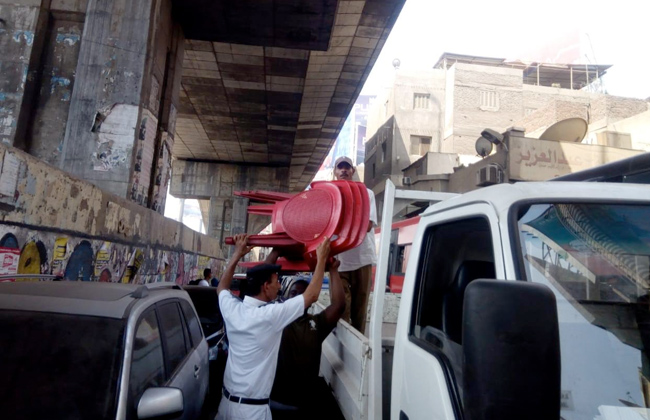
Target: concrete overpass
[[208, 96]]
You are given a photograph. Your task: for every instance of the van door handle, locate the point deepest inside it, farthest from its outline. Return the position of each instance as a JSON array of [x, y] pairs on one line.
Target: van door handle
[[197, 369], [403, 416]]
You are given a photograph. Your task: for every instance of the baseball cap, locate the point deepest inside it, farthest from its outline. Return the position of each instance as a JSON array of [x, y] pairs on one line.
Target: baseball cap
[[343, 159], [262, 271]]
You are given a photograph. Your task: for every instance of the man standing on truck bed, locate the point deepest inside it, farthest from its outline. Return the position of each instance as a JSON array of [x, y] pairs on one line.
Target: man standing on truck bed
[[298, 392], [356, 264], [254, 328]]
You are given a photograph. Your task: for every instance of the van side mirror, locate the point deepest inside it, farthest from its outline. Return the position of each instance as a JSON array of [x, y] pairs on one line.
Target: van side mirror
[[511, 348], [160, 402]]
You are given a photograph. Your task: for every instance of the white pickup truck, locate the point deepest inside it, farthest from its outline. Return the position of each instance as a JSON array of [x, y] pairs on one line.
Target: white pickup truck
[[557, 330]]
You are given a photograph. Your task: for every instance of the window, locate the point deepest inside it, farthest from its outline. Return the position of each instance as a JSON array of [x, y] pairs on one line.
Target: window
[[172, 327], [489, 100], [374, 172], [453, 255], [147, 365], [65, 365], [383, 152], [596, 259], [420, 145], [192, 323], [406, 253], [529, 111], [400, 262], [421, 100]]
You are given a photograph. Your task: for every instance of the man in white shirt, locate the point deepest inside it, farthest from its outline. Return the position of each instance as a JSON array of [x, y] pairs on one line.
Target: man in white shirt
[[356, 264], [207, 275], [254, 328]]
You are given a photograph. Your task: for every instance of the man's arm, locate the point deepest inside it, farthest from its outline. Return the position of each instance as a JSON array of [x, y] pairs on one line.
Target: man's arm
[[313, 290], [241, 249], [337, 306], [272, 257]]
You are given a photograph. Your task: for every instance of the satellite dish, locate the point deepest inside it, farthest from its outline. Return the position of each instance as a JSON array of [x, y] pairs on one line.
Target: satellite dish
[[483, 147], [396, 63], [571, 129]]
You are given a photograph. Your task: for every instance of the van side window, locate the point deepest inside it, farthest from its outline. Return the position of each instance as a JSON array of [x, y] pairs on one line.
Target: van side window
[[176, 347], [453, 255], [147, 365]]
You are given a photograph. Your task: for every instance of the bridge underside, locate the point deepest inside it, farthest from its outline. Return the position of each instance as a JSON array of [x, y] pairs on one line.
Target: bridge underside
[[270, 83]]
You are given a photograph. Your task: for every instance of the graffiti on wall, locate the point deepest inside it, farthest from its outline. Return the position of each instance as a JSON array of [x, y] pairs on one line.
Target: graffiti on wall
[[24, 251]]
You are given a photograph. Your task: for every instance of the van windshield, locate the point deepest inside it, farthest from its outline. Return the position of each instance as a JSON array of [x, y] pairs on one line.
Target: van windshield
[[596, 258], [59, 366]]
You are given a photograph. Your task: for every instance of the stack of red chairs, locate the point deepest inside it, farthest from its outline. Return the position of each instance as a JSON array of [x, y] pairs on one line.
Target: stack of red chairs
[[338, 210]]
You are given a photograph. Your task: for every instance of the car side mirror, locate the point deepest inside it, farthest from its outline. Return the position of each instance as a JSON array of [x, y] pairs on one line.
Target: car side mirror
[[511, 348], [160, 402]]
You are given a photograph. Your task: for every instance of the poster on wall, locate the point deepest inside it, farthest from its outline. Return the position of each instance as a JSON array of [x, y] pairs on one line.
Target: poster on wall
[[59, 256], [9, 258], [145, 147], [9, 175]]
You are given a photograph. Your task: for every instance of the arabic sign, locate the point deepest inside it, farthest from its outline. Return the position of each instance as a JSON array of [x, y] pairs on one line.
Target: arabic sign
[[539, 160]]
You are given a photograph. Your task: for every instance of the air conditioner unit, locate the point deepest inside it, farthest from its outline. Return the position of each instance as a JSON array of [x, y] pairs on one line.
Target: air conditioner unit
[[489, 175], [406, 180]]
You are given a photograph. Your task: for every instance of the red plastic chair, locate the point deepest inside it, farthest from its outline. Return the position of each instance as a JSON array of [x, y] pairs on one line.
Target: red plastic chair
[[341, 234], [312, 215], [364, 212], [337, 209]]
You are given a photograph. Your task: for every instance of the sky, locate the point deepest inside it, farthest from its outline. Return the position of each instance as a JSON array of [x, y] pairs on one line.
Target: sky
[[610, 32]]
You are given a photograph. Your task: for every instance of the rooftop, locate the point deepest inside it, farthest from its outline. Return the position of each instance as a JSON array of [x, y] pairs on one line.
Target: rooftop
[[567, 76]]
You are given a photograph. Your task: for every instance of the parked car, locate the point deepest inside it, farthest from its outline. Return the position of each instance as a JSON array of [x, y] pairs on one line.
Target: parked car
[[206, 303], [86, 350]]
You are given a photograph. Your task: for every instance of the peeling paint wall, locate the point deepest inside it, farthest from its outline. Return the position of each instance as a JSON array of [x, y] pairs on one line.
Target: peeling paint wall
[[45, 134], [93, 88], [144, 158], [163, 173], [110, 76], [161, 89], [114, 142], [17, 33], [40, 204]]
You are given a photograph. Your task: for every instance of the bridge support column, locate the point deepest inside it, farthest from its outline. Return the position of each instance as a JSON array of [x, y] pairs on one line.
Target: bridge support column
[[217, 183], [104, 89]]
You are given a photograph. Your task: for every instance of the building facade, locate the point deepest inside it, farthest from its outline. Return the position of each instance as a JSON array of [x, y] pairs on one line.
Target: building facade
[[431, 120]]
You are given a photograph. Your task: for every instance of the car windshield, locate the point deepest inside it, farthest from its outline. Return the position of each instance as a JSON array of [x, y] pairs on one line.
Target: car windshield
[[59, 366], [595, 258]]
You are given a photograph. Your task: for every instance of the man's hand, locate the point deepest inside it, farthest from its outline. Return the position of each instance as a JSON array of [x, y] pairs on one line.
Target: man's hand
[[323, 250], [241, 245], [337, 296], [241, 249]]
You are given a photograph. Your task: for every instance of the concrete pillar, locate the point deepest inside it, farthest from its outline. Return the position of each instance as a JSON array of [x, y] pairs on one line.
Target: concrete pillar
[[122, 105], [218, 182], [22, 29], [54, 81], [228, 217], [238, 221]]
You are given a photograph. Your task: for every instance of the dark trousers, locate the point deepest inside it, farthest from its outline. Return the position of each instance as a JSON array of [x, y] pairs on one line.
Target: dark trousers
[[320, 405], [356, 285]]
